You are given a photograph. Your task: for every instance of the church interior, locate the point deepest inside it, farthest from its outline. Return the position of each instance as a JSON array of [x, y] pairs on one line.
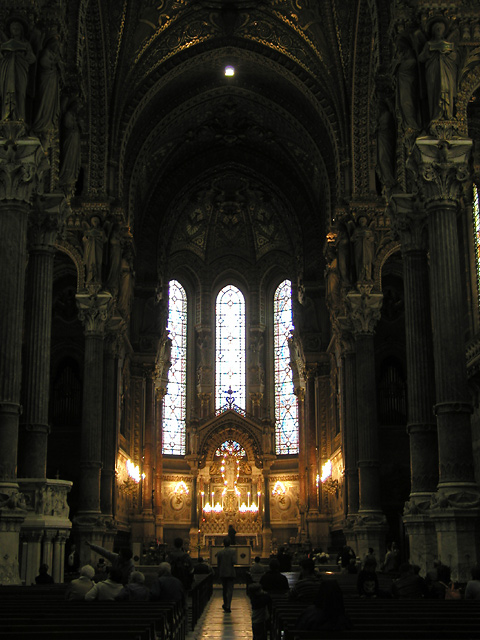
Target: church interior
[[240, 278]]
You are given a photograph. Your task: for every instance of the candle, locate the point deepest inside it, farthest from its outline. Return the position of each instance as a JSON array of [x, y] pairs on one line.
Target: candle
[[202, 493], [248, 498], [258, 496]]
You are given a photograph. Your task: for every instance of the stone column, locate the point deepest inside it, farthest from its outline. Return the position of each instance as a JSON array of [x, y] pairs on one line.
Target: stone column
[[346, 344], [194, 537], [93, 311], [370, 522], [409, 222], [148, 445], [302, 465], [311, 449], [45, 224], [442, 168], [22, 166], [267, 531], [159, 395], [112, 349]]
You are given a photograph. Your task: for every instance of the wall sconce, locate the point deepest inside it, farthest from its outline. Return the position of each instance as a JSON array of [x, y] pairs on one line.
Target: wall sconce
[[279, 489]]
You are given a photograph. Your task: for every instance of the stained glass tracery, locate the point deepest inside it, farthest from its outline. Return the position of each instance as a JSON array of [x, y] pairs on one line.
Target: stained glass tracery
[[286, 413], [174, 403], [230, 346]]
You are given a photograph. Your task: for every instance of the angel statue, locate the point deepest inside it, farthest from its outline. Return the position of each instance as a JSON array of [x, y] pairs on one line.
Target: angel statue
[[94, 239], [16, 57], [363, 239], [441, 67], [47, 107]]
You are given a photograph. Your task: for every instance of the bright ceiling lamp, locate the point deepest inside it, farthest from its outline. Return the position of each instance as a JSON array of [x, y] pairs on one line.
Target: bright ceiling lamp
[[229, 71]]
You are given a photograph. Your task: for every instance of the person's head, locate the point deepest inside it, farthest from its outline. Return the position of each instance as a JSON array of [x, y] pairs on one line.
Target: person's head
[[307, 567], [200, 560], [88, 571], [101, 566], [164, 569], [16, 29], [226, 541], [274, 565], [370, 551], [370, 564], [476, 572], [443, 573], [136, 577], [178, 543], [416, 569], [404, 568], [257, 559], [126, 554], [43, 569], [115, 575]]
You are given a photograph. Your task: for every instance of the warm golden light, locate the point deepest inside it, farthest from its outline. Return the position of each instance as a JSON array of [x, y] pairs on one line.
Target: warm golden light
[[229, 71], [326, 470], [279, 489], [134, 471], [181, 489]]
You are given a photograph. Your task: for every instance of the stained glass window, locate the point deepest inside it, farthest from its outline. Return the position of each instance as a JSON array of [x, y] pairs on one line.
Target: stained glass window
[[230, 347], [476, 231], [230, 448], [286, 413], [174, 403]]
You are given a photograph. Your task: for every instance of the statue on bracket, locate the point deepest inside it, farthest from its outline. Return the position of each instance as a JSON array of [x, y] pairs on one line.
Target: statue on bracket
[[16, 58]]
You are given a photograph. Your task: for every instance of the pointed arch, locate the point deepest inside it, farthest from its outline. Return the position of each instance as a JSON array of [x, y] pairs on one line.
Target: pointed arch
[[230, 346]]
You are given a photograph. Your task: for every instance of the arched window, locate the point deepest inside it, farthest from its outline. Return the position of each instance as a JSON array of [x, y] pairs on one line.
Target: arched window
[[476, 235], [174, 403], [230, 347], [286, 413]]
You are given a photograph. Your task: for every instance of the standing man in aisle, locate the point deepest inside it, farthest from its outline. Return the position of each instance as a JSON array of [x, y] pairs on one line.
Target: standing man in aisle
[[226, 572]]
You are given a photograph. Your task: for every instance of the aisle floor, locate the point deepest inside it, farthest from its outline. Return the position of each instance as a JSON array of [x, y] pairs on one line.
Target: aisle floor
[[215, 623]]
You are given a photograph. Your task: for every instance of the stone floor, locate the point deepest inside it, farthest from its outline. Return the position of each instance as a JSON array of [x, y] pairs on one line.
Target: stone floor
[[215, 623]]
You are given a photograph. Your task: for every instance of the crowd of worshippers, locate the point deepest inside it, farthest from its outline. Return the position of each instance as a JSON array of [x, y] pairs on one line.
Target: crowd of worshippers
[[121, 581]]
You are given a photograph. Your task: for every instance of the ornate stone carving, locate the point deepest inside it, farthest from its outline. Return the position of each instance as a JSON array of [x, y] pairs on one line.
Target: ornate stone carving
[[365, 309], [409, 221], [22, 165], [93, 311], [441, 167], [46, 220]]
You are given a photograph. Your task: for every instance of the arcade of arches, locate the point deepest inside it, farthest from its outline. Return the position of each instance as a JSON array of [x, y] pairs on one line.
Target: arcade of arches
[[339, 156]]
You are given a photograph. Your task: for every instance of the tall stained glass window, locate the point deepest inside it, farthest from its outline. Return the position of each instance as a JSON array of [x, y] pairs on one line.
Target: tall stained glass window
[[174, 403], [476, 231], [286, 413], [230, 346]]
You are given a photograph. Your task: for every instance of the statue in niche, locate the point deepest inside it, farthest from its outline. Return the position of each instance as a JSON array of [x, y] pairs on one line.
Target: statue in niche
[[332, 277], [386, 143], [256, 346], [344, 252], [406, 70], [16, 58], [266, 439], [50, 74], [193, 440], [203, 343], [127, 283], [70, 140], [363, 239], [94, 239], [441, 67], [114, 259]]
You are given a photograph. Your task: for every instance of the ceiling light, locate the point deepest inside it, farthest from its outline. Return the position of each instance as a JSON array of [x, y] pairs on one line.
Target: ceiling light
[[229, 70]]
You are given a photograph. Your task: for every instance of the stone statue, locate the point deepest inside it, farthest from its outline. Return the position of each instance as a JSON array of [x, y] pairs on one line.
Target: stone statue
[[203, 342], [47, 107], [363, 239], [441, 66], [386, 143], [332, 278], [114, 259], [127, 283], [16, 57], [406, 70], [70, 151], [256, 346], [94, 239], [344, 253]]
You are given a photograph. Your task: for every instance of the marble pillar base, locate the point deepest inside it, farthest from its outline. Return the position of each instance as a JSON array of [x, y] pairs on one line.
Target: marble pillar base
[[12, 515], [349, 532], [370, 530], [266, 540], [318, 526], [143, 528]]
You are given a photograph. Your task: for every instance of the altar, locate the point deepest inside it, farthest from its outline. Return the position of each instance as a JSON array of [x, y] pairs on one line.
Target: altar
[[243, 554], [216, 539]]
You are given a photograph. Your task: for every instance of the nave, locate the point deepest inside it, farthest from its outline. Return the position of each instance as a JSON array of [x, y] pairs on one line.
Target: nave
[[214, 623]]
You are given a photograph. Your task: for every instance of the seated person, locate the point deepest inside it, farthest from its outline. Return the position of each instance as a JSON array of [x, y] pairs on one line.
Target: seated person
[[308, 585], [327, 612], [261, 604], [77, 589], [122, 561], [108, 589], [367, 581], [273, 580], [135, 590], [166, 586], [257, 569], [43, 576], [408, 584], [202, 568], [472, 590]]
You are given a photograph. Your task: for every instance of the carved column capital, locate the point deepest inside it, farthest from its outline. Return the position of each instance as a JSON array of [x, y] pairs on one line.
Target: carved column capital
[[23, 164], [343, 331], [441, 168], [365, 310], [409, 221], [93, 311]]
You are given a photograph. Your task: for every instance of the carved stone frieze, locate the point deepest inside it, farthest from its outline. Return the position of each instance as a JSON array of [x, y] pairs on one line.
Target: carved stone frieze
[[46, 220], [441, 168]]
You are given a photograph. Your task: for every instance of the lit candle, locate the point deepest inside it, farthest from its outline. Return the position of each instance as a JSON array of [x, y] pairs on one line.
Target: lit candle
[[213, 500], [258, 496], [248, 498], [202, 493]]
